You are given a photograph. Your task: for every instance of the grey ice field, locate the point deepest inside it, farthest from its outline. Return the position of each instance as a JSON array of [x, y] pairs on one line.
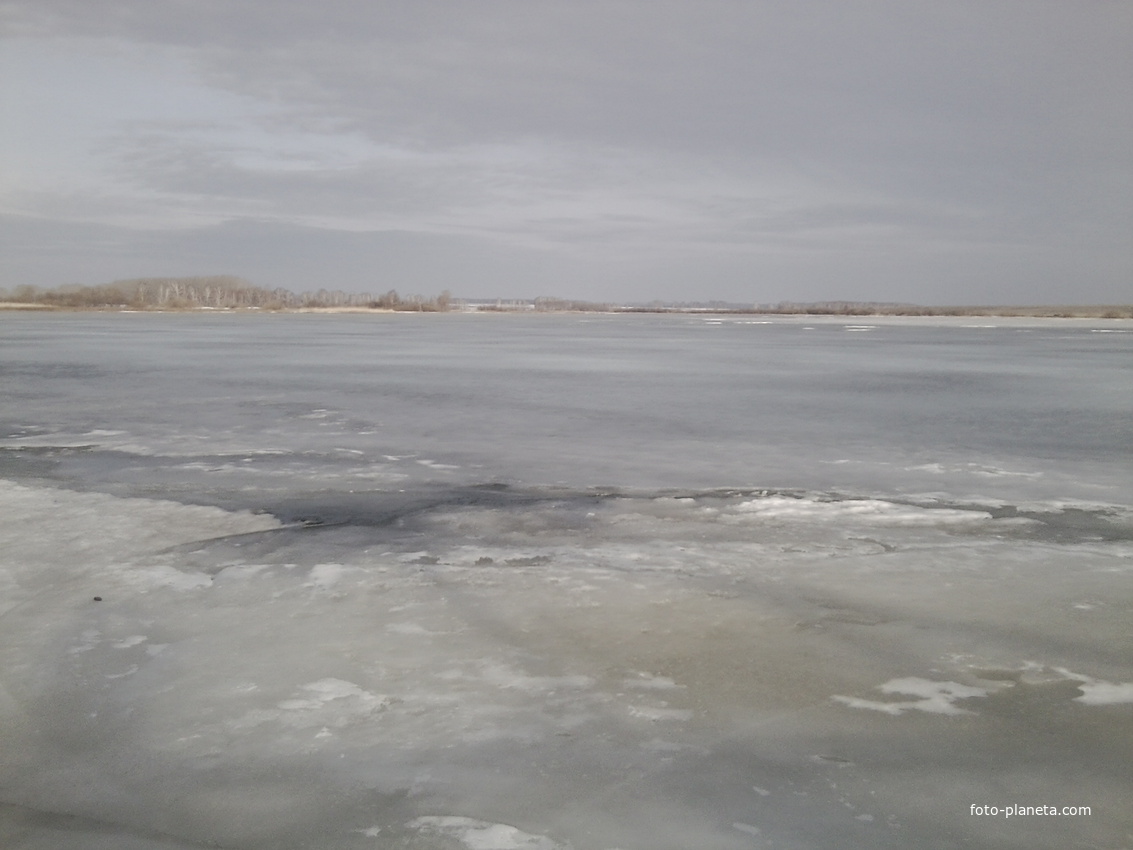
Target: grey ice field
[[546, 582]]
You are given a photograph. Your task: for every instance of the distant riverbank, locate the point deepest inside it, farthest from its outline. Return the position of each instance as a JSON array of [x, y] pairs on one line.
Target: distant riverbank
[[226, 293], [1037, 312]]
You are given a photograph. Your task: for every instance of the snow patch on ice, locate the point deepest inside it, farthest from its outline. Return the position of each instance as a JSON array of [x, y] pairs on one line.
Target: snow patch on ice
[[152, 578], [1099, 691], [91, 639], [933, 697], [409, 629], [659, 745], [432, 464], [935, 468], [127, 642], [504, 677], [482, 835], [972, 469], [324, 576], [325, 690], [328, 703], [649, 681], [875, 511], [94, 529], [655, 714], [1105, 693], [1093, 691]]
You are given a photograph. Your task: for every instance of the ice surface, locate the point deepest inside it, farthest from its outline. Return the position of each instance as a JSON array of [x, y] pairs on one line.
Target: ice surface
[[590, 585], [862, 510], [479, 835], [388, 682], [53, 538]]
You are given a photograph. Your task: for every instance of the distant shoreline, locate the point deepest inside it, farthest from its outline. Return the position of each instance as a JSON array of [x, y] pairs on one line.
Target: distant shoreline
[[1004, 312], [230, 294]]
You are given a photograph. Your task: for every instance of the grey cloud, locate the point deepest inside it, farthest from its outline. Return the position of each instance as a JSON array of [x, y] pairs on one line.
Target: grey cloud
[[307, 258], [887, 130], [271, 254], [707, 74]]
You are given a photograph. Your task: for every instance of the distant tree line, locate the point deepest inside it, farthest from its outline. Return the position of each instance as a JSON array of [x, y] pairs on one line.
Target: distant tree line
[[548, 305], [226, 292], [871, 308], [819, 308], [216, 292]]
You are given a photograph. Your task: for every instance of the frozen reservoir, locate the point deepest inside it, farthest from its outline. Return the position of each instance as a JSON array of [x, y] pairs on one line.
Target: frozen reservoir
[[526, 582]]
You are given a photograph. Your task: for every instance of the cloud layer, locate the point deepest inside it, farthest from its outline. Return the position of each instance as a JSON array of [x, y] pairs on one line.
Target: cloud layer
[[939, 153]]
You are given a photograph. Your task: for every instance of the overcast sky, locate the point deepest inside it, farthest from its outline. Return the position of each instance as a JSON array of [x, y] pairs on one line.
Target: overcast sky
[[939, 152]]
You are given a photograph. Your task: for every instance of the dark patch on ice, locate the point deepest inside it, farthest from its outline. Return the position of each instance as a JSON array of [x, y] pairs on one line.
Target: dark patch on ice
[[1071, 525], [192, 479], [44, 828], [885, 547], [383, 508], [536, 561], [10, 429], [1062, 525], [48, 371], [401, 521], [44, 451], [18, 462]]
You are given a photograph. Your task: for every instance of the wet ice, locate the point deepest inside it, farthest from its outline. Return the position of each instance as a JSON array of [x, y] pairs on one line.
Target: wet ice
[[382, 642]]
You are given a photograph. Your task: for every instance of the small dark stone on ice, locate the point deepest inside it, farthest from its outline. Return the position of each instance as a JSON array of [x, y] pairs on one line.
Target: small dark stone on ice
[[98, 599]]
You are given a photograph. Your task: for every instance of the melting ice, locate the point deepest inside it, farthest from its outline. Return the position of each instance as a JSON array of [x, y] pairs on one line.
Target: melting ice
[[303, 605]]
